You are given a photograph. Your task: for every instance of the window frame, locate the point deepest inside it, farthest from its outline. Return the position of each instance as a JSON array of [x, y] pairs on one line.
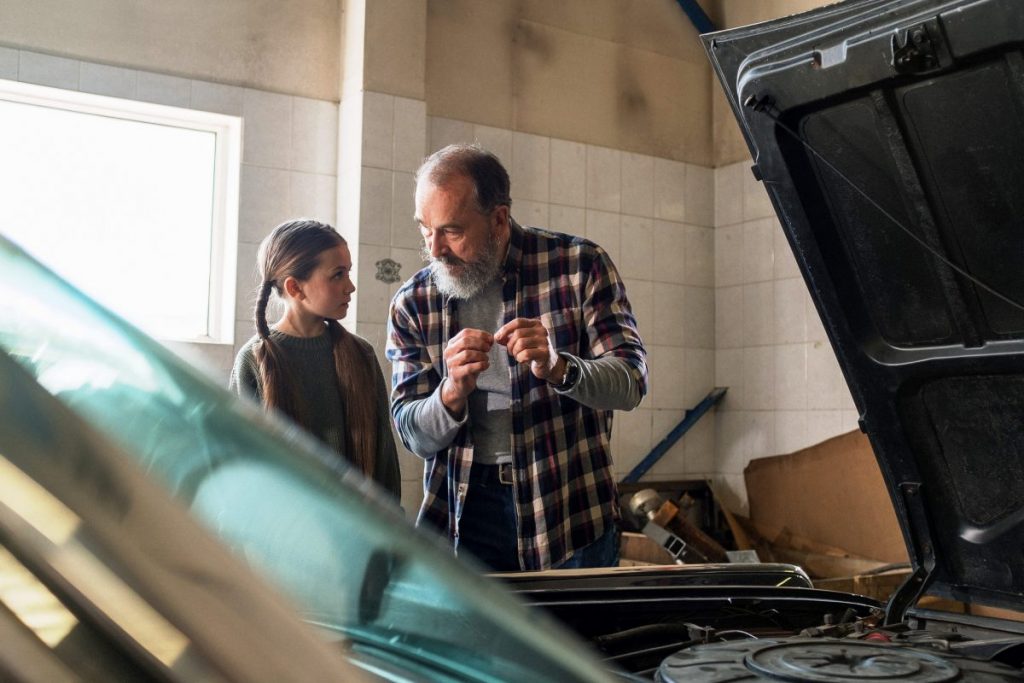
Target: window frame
[[227, 131]]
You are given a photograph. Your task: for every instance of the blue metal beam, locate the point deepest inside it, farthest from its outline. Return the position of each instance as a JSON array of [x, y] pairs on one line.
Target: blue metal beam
[[697, 15], [689, 419]]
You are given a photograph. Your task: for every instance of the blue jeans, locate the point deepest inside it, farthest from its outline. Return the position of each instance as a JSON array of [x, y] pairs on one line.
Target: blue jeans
[[487, 528], [603, 552]]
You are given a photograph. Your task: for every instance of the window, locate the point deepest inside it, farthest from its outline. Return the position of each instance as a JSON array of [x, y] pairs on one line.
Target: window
[[134, 203]]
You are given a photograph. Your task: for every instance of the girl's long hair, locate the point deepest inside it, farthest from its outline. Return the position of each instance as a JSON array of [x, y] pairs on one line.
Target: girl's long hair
[[293, 249]]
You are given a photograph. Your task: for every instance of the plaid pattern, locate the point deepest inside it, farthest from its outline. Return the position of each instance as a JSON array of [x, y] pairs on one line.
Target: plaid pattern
[[564, 484]]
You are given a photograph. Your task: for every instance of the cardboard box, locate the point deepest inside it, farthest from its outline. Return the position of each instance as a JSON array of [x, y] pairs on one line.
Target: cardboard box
[[637, 549], [879, 586], [830, 496]]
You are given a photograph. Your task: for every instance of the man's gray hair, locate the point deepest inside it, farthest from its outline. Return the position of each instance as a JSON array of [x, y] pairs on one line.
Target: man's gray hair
[[490, 179]]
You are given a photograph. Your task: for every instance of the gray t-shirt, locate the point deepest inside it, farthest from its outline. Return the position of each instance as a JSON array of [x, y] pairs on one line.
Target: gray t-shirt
[[490, 405]]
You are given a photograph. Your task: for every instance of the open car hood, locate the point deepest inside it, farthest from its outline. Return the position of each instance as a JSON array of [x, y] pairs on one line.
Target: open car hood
[[889, 137]]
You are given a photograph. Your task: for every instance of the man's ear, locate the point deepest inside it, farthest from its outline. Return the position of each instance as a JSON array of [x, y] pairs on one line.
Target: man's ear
[[501, 213], [293, 288], [501, 219]]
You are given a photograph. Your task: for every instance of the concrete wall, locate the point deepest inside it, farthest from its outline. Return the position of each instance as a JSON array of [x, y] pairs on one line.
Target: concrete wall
[[284, 46], [623, 74]]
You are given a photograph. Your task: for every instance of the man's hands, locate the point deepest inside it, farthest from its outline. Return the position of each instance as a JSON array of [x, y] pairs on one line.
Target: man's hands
[[526, 339], [466, 357]]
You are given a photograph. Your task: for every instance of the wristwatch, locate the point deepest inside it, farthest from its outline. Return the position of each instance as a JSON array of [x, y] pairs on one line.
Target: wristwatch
[[571, 376]]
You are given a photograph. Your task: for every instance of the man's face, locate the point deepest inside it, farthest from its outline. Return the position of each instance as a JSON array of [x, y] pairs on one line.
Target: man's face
[[463, 245]]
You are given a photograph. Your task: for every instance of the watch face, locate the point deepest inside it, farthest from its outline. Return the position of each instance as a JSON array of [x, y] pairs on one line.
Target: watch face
[[572, 373]]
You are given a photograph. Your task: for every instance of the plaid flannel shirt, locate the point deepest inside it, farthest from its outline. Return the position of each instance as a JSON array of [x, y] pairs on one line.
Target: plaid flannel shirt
[[565, 489]]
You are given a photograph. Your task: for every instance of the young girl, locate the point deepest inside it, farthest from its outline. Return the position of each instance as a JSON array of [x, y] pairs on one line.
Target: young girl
[[307, 366]]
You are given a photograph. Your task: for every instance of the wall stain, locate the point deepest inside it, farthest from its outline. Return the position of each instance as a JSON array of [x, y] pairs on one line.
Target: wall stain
[[525, 37], [633, 109]]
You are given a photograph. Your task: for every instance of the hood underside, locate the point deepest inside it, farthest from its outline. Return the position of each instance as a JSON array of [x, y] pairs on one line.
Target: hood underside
[[889, 137]]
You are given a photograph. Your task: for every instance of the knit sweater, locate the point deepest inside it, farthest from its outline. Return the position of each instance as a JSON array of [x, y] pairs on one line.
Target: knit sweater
[[311, 364]]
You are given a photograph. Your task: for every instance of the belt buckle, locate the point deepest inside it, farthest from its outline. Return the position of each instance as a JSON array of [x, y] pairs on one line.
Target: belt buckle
[[505, 473]]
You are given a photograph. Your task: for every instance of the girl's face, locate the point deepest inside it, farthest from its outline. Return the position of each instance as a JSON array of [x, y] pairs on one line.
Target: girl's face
[[328, 291]]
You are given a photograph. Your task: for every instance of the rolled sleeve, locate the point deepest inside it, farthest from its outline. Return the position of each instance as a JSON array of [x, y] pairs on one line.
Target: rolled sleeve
[[613, 330]]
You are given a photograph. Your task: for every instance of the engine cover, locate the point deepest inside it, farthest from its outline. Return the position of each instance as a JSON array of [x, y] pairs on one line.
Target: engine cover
[[816, 659]]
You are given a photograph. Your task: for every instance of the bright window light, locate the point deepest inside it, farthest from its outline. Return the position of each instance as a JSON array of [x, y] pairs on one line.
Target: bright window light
[[134, 203]]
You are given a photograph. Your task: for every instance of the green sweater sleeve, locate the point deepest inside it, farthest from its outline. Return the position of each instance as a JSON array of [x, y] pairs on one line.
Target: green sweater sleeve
[[245, 377]]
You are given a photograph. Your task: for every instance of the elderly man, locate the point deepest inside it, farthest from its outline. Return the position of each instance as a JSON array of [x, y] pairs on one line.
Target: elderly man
[[509, 352]]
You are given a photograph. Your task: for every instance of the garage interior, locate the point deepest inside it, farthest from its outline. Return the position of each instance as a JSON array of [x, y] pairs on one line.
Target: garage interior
[[610, 122]]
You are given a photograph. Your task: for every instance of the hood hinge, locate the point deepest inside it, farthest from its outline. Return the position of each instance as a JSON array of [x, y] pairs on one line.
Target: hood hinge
[[916, 49]]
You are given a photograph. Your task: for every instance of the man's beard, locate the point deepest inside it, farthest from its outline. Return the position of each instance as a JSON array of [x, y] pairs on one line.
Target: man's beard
[[472, 276]]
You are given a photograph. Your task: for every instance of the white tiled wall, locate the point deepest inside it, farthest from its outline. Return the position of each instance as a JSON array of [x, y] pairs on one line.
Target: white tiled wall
[[786, 390], [662, 244], [653, 216], [393, 142]]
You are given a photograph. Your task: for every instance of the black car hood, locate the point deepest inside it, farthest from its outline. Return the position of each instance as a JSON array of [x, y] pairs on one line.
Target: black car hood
[[890, 138]]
